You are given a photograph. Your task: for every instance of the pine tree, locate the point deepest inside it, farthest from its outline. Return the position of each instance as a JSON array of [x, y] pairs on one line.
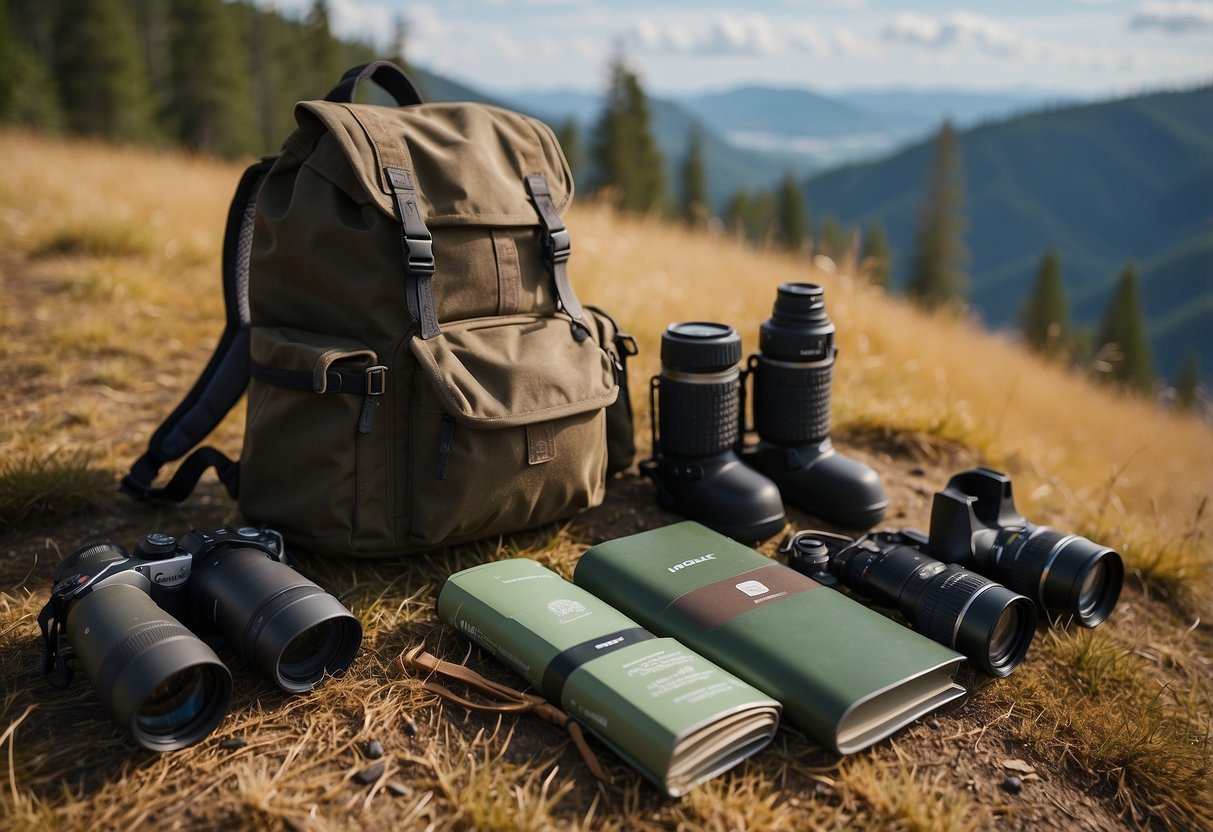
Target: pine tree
[[938, 270], [625, 152], [211, 105], [27, 90], [875, 258], [1123, 328], [1044, 319], [832, 239], [694, 202], [1187, 381], [791, 213], [569, 137], [101, 74], [323, 51], [737, 211]]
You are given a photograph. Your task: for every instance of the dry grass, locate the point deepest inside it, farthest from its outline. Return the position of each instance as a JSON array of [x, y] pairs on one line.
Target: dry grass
[[110, 307]]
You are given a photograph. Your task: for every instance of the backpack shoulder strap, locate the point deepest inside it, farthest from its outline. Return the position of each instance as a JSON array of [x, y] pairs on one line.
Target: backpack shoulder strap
[[223, 381]]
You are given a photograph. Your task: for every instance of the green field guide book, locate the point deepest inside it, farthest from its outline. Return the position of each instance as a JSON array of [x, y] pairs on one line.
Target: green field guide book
[[846, 675], [675, 716]]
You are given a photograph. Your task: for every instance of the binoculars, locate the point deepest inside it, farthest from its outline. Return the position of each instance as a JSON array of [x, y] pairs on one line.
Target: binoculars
[[133, 621], [701, 465]]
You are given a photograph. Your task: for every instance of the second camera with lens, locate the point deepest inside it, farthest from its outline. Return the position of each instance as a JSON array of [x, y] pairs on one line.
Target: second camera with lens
[[974, 523], [136, 622], [988, 623]]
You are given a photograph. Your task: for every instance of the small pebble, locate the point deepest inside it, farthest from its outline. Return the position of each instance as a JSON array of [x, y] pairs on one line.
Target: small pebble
[[397, 788], [233, 743], [370, 774], [1011, 785], [372, 750]]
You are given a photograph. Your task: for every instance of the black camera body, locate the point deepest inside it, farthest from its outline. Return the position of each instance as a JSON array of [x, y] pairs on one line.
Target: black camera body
[[974, 523], [133, 622], [988, 623]]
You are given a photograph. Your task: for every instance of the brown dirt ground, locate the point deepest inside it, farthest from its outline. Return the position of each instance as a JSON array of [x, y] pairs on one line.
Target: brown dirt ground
[[960, 749]]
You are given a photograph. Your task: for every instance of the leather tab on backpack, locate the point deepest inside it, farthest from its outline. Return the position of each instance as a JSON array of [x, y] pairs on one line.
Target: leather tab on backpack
[[509, 274], [540, 443]]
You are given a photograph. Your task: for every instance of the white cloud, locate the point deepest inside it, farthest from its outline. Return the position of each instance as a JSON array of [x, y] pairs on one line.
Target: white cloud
[[954, 29], [809, 40], [1174, 18], [752, 35]]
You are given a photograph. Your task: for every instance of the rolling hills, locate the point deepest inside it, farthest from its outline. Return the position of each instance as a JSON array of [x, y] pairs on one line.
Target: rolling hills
[[1104, 184]]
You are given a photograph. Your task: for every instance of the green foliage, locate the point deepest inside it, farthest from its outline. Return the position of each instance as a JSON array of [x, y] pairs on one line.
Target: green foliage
[[875, 257], [938, 272], [27, 90], [321, 50], [219, 77], [210, 106], [1044, 319], [1187, 381], [694, 198], [1122, 335], [791, 213], [625, 153], [570, 142], [752, 217], [102, 77], [1102, 183], [833, 241]]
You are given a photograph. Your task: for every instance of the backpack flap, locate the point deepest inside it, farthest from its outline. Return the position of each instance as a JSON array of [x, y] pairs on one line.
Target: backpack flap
[[470, 161], [509, 426], [448, 172]]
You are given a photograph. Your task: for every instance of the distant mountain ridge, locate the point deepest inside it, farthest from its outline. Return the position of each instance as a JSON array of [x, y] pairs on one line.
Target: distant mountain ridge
[[1104, 184], [753, 135]]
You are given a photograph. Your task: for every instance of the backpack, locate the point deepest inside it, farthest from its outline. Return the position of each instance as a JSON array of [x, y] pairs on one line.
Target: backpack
[[419, 370]]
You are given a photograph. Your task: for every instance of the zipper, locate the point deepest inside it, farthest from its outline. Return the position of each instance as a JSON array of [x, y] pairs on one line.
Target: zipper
[[446, 438]]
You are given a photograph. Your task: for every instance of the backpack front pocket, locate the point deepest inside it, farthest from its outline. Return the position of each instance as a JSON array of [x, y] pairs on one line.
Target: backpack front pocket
[[508, 426], [315, 462]]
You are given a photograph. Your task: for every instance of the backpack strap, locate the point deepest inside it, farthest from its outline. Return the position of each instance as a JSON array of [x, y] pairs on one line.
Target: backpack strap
[[394, 81], [556, 245], [223, 381]]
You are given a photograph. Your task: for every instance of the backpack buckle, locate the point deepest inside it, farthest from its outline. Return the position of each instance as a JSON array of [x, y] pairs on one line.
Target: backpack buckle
[[376, 380], [557, 245], [420, 254]]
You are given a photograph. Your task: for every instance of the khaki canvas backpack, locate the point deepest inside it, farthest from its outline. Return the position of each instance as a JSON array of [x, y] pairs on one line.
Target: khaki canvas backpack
[[419, 371]]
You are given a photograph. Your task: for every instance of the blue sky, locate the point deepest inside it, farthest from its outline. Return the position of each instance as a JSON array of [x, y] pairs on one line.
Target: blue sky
[[1090, 47]]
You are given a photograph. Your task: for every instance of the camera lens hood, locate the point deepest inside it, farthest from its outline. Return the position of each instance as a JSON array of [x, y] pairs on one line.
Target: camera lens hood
[[700, 347]]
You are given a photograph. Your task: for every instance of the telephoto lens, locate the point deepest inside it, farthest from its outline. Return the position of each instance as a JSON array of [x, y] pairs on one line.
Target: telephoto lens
[[793, 374], [153, 676], [986, 622], [696, 404], [974, 522], [279, 622]]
